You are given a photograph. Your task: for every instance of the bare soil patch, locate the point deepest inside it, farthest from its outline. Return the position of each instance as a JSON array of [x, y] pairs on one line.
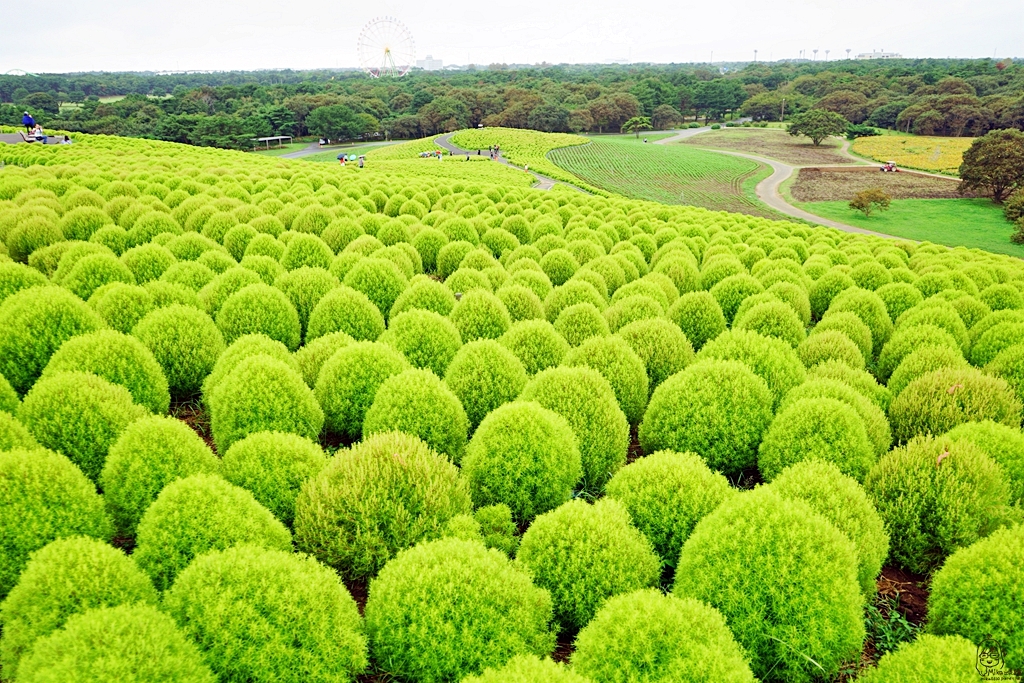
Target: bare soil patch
[[774, 144], [826, 185]]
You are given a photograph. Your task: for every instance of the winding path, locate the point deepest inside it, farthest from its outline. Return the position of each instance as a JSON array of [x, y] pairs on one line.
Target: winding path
[[543, 182], [768, 189]]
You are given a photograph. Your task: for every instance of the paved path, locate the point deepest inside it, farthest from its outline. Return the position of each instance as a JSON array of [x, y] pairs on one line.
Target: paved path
[[768, 189], [543, 182], [15, 138], [315, 148]]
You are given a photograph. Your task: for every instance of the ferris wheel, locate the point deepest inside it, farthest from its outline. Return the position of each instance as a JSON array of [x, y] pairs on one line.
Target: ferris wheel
[[386, 48]]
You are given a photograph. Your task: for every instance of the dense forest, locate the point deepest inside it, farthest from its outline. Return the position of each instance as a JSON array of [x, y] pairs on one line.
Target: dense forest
[[228, 109]]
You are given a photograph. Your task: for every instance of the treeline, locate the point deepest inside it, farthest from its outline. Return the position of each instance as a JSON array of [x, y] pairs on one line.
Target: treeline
[[929, 97]]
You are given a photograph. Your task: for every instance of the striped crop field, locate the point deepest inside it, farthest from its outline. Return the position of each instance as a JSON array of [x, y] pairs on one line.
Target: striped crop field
[[668, 174]]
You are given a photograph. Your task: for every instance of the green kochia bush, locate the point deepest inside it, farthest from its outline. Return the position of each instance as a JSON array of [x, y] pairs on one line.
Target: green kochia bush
[[416, 402], [262, 394], [830, 345], [699, 316], [922, 361], [619, 364], [935, 496], [940, 400], [267, 615], [343, 309], [585, 399], [785, 580], [67, 577], [1003, 444], [870, 414], [528, 669], [491, 612], [95, 270], [197, 514], [260, 309], [716, 409], [119, 359], [185, 342], [580, 322], [273, 466], [536, 344], [772, 360], [666, 494], [524, 456], [480, 315], [663, 349], [424, 293], [427, 339], [312, 356], [80, 415], [774, 319], [43, 497], [842, 501], [860, 381], [585, 554], [380, 280], [484, 375], [305, 287], [386, 494], [649, 637], [977, 594], [14, 435], [816, 429], [349, 380], [149, 454], [122, 306], [36, 322], [116, 644], [928, 659], [245, 347]]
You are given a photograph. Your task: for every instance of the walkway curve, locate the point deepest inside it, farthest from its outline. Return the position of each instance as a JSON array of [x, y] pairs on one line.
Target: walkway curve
[[768, 189], [543, 182]]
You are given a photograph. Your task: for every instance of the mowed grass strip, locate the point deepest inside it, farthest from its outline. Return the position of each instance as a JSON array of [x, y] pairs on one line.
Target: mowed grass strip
[[668, 174], [773, 144], [973, 223], [823, 185]]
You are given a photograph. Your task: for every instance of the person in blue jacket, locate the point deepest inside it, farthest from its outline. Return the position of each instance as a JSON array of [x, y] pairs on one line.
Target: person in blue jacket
[[28, 122]]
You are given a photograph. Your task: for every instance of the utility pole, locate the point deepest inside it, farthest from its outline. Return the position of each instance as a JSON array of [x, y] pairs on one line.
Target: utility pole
[[755, 56], [782, 114]]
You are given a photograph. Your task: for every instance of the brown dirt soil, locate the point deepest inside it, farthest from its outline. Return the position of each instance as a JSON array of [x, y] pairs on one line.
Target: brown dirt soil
[[774, 144], [192, 412], [826, 185], [910, 589]]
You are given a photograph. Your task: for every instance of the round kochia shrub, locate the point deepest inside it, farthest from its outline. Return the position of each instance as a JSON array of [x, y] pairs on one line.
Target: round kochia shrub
[[824, 429], [940, 400], [1003, 444], [491, 612], [185, 342], [536, 344], [772, 360], [584, 554], [80, 415], [15, 277], [343, 309], [122, 306], [427, 339], [349, 381], [716, 409], [647, 636], [663, 349], [842, 501], [922, 361], [387, 493], [580, 322], [119, 359], [242, 348], [266, 615], [666, 494], [484, 375], [379, 279], [312, 356], [416, 402], [480, 315], [43, 497], [14, 435], [36, 322], [273, 466], [426, 294], [95, 270], [977, 594], [524, 456], [197, 514], [66, 577], [928, 659], [116, 644], [936, 495], [775, 319], [149, 454], [262, 394], [785, 580], [830, 345], [585, 399], [870, 414], [260, 309], [870, 308], [619, 364], [528, 669], [908, 339]]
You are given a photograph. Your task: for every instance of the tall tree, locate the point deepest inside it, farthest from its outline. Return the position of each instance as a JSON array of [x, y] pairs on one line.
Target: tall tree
[[818, 124], [994, 164]]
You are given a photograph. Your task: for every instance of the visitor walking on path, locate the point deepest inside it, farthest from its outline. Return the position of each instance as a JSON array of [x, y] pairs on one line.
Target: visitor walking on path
[[28, 122]]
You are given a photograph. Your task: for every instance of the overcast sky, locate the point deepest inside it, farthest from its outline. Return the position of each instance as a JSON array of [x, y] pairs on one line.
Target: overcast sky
[[138, 35]]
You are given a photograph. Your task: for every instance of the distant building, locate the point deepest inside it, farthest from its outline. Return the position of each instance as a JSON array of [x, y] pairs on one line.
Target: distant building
[[430, 64], [879, 55]]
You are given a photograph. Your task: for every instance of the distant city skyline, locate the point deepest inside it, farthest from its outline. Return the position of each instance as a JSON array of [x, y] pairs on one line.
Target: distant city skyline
[[129, 35]]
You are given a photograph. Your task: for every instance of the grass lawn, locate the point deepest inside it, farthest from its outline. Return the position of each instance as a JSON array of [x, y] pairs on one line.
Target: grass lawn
[[330, 155], [283, 149], [673, 174], [975, 223]]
